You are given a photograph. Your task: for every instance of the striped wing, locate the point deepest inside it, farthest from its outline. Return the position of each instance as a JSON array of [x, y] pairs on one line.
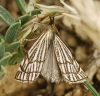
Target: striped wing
[[30, 67], [70, 70]]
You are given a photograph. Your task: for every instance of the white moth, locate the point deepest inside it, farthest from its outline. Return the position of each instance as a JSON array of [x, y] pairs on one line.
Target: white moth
[[50, 57]]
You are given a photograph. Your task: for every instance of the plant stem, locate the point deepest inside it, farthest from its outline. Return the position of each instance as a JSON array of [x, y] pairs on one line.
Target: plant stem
[[91, 88]]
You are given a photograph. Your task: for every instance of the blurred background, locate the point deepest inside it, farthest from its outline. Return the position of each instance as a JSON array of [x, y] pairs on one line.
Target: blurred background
[[82, 50]]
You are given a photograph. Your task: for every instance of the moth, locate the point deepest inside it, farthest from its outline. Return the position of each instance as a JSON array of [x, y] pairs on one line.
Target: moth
[[51, 58]]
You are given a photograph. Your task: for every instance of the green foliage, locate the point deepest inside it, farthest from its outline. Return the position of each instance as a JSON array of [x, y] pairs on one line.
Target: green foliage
[[12, 32], [12, 47], [91, 88], [2, 48], [21, 5], [5, 16], [24, 18], [34, 12], [5, 59], [16, 58], [2, 72], [1, 37], [11, 51]]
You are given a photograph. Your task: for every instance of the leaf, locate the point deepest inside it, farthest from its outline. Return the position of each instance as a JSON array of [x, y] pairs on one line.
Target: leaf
[[18, 57], [12, 32], [5, 59], [2, 48], [12, 47], [2, 37], [24, 18], [5, 16], [20, 50], [21, 5], [36, 11], [2, 72]]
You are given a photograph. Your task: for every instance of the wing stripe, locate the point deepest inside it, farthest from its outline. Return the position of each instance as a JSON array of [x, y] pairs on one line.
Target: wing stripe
[[69, 67], [36, 43], [66, 52], [31, 66]]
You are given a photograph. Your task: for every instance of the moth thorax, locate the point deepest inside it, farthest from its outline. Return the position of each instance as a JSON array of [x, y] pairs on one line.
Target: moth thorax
[[50, 34]]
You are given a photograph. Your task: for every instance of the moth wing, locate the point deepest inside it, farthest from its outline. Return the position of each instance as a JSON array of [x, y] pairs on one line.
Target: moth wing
[[30, 67], [50, 69], [70, 69]]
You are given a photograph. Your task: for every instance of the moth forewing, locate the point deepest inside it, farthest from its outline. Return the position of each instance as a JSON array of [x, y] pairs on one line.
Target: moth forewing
[[31, 66], [70, 69]]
